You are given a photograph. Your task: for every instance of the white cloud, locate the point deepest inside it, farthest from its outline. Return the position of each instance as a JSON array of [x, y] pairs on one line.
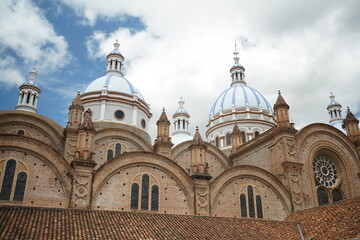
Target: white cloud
[[305, 48], [32, 39]]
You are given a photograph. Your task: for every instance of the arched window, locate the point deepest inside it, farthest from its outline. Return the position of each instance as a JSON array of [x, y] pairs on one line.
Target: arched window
[[8, 180], [183, 123], [335, 113], [110, 154], [251, 201], [322, 196], [243, 205], [116, 64], [337, 195], [154, 198], [21, 132], [228, 139], [20, 187], [243, 137], [28, 97], [259, 207], [257, 134], [145, 192], [117, 149], [134, 196], [178, 123], [111, 64], [33, 103], [217, 142]]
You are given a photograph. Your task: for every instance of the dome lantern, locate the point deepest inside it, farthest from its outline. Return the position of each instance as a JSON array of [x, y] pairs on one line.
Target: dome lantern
[[115, 61], [237, 70]]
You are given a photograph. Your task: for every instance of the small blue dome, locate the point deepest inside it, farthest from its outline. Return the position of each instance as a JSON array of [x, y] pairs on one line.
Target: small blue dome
[[239, 96], [114, 83], [181, 110]]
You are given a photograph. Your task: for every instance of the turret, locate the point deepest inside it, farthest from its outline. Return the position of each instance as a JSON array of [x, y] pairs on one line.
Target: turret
[[29, 94], [281, 109], [163, 142], [351, 124], [236, 137], [76, 110], [83, 164], [198, 168]]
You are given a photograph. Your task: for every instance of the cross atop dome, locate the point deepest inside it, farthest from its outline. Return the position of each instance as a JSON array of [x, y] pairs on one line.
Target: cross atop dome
[[236, 53]]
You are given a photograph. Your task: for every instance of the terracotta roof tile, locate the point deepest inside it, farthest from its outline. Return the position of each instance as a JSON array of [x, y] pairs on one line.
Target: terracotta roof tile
[[46, 223], [340, 220]]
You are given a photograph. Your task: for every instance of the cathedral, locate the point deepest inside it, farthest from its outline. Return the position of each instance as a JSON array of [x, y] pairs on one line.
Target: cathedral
[[252, 162]]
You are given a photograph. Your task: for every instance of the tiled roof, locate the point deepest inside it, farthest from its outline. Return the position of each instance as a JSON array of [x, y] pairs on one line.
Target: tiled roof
[[340, 220], [45, 223]]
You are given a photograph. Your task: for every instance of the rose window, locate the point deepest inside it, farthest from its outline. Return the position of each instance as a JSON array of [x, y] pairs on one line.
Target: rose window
[[325, 171]]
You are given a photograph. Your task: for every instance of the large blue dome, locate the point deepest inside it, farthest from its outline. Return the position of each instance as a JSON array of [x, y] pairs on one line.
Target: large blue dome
[[240, 96], [113, 82]]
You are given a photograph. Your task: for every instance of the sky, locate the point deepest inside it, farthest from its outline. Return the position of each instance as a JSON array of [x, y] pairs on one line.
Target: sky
[[174, 49]]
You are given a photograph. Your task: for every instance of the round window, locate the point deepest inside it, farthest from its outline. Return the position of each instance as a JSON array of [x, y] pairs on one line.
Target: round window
[[143, 123], [119, 114], [325, 171]]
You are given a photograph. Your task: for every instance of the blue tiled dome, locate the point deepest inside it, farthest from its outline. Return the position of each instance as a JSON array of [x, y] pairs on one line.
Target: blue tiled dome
[[114, 83], [240, 96]]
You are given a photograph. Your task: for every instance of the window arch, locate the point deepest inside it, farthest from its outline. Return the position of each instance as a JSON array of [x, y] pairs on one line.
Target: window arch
[[257, 133], [145, 195], [8, 180], [228, 139], [250, 206], [243, 137], [117, 149], [145, 192], [28, 97], [154, 198], [21, 132], [327, 177], [134, 196], [110, 154], [337, 195], [217, 143], [259, 207], [22, 97], [322, 196], [243, 205], [20, 186], [251, 201]]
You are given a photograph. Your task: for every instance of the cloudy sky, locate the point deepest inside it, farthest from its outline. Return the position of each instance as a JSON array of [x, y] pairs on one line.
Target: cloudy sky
[[184, 48]]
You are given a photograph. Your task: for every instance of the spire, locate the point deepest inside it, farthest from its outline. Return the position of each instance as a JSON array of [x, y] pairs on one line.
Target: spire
[[197, 140], [281, 109], [236, 137], [280, 102], [350, 116], [29, 94], [115, 61], [163, 142], [237, 70], [163, 117], [236, 130]]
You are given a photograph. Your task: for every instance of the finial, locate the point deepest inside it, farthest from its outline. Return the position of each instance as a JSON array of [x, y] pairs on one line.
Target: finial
[[163, 109], [32, 74], [116, 45], [279, 92], [197, 128], [236, 58], [348, 108], [78, 92]]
